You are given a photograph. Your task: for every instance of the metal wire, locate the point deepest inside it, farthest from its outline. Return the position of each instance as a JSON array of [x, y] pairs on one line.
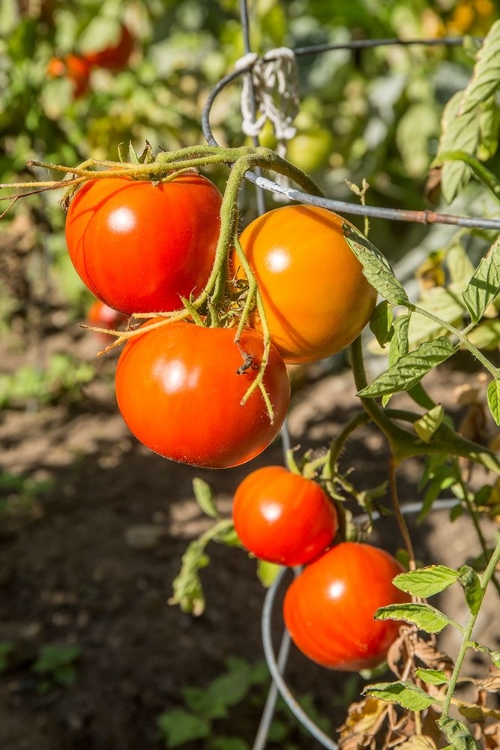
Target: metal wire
[[275, 666], [392, 214]]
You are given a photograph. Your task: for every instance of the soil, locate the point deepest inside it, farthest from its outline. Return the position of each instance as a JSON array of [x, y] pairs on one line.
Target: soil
[[91, 559]]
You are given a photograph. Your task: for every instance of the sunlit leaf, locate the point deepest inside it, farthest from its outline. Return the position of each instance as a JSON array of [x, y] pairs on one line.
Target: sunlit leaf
[[425, 582], [486, 76], [427, 425], [425, 617], [493, 395], [457, 733], [405, 694]]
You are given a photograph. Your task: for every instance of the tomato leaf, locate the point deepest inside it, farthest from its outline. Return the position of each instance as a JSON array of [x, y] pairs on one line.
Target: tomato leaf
[[204, 497], [376, 267], [426, 618], [486, 77], [427, 425], [432, 676], [459, 132], [410, 369], [267, 572], [484, 285], [381, 323], [493, 395], [494, 655], [178, 726], [472, 588], [425, 582], [457, 733], [405, 694]]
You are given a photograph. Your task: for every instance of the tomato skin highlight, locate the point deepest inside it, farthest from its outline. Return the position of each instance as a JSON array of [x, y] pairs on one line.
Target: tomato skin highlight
[[139, 247], [328, 609], [282, 517], [179, 392], [315, 296]]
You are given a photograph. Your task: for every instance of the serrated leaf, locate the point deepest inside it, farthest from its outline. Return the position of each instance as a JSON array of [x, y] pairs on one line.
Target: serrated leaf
[[457, 733], [410, 369], [376, 267], [493, 395], [427, 425], [486, 76], [483, 174], [204, 497], [426, 618], [405, 694], [472, 588], [484, 284], [425, 582], [432, 676], [267, 572], [381, 323], [459, 133]]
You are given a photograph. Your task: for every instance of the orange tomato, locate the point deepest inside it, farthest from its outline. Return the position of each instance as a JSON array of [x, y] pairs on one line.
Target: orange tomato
[[315, 296]]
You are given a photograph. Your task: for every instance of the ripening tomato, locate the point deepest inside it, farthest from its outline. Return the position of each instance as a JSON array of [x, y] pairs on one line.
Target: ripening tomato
[[315, 296], [283, 518], [114, 56], [76, 68], [179, 389], [100, 315], [328, 609], [139, 247]]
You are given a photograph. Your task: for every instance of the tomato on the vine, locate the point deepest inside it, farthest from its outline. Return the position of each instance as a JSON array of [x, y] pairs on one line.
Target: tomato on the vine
[[100, 315], [114, 56], [283, 517], [328, 609], [179, 388], [315, 296], [140, 247]]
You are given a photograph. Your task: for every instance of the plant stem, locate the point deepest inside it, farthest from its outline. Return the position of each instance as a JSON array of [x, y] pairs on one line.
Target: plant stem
[[400, 519], [485, 579]]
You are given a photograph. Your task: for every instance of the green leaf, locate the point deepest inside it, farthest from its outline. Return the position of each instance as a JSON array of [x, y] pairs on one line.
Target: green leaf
[[444, 305], [410, 369], [228, 743], [204, 704], [457, 733], [432, 676], [376, 267], [204, 497], [472, 588], [267, 572], [381, 323], [427, 425], [494, 655], [231, 688], [459, 133], [483, 174], [425, 617], [425, 582], [486, 76], [486, 335], [399, 342], [493, 395], [405, 694], [179, 726], [484, 285], [460, 266]]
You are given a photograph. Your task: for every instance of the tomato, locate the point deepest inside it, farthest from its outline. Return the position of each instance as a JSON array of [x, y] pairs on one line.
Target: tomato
[[179, 389], [100, 315], [76, 68], [328, 609], [139, 247], [315, 296], [282, 517], [114, 56]]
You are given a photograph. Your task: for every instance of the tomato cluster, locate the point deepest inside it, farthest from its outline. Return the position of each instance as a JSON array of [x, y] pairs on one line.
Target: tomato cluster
[[285, 518], [78, 67]]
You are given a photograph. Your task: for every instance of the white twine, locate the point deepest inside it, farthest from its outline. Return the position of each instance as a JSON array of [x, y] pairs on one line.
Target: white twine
[[270, 92]]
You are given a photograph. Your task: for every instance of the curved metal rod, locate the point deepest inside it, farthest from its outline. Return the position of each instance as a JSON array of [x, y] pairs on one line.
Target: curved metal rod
[[276, 668], [392, 214]]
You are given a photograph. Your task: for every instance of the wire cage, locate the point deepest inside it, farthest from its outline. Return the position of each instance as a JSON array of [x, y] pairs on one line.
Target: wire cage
[[277, 659]]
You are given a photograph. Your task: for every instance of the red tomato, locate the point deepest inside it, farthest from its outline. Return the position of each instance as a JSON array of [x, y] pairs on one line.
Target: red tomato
[[114, 56], [328, 609], [315, 296], [282, 517], [100, 315], [76, 68], [139, 247], [179, 391]]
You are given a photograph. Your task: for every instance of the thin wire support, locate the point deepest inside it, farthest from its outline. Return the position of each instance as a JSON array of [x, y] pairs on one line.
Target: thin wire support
[[392, 214], [276, 667]]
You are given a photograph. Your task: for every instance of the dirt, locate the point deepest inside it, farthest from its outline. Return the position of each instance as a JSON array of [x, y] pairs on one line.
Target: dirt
[[90, 561]]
